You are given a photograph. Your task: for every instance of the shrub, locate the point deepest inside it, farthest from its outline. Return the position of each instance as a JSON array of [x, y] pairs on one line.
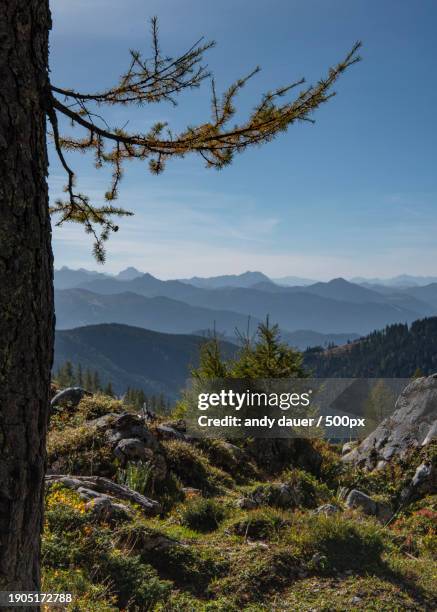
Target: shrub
[[331, 468], [253, 576], [309, 489], [168, 491], [93, 407], [339, 542], [203, 514], [222, 455], [131, 580], [386, 482], [189, 568], [79, 450], [260, 524], [89, 408], [63, 543], [418, 532], [88, 595], [296, 489], [191, 465]]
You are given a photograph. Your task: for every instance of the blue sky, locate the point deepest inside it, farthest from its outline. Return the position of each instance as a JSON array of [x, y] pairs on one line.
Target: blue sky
[[354, 194]]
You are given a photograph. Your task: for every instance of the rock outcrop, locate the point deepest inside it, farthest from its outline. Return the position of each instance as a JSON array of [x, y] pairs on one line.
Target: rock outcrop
[[93, 488], [424, 482], [131, 440], [70, 396], [412, 425], [326, 510], [359, 500], [132, 449], [129, 426]]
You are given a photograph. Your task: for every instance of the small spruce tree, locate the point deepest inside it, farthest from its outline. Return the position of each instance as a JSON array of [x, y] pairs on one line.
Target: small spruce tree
[[88, 381], [79, 375], [267, 357], [108, 390], [211, 363], [96, 382]]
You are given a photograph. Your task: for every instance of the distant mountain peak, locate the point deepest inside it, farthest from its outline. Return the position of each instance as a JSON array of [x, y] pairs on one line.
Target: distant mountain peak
[[400, 281], [339, 281], [245, 280], [128, 273], [252, 273], [147, 275]]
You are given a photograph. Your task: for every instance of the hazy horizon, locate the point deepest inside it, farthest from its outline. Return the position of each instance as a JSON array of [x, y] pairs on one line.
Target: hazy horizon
[[114, 271]]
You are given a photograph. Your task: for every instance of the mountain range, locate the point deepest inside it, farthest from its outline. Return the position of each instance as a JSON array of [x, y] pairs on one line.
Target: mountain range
[[160, 363], [143, 332], [400, 281], [292, 311], [78, 307], [226, 302], [247, 279], [66, 278]]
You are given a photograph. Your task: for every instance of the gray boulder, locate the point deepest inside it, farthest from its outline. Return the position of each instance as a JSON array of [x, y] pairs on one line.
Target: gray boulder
[[246, 503], [422, 474], [237, 452], [128, 426], [132, 449], [179, 425], [359, 500], [70, 396], [412, 425], [105, 508], [131, 440], [167, 432], [347, 447], [326, 509], [423, 482]]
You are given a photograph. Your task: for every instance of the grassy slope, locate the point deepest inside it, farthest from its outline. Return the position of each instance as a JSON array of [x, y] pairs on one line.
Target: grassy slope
[[221, 557]]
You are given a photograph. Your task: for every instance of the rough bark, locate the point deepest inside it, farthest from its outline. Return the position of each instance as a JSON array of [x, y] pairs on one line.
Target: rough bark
[[26, 294]]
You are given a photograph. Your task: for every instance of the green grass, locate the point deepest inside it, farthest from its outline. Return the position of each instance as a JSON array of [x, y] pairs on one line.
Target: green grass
[[203, 514], [137, 476], [204, 553], [260, 524]]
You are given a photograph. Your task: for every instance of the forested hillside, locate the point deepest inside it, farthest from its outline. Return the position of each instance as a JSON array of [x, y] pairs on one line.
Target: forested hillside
[[132, 357], [396, 351]]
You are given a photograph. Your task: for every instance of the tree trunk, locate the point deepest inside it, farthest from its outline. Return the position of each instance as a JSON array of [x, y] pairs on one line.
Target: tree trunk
[[26, 287]]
